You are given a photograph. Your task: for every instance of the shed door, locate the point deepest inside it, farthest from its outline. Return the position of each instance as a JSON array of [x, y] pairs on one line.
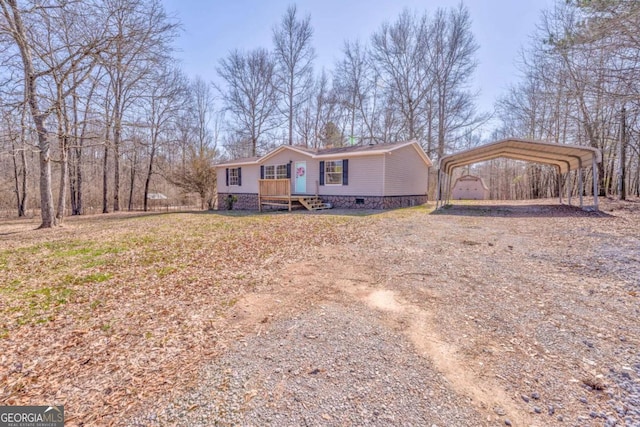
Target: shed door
[[301, 177]]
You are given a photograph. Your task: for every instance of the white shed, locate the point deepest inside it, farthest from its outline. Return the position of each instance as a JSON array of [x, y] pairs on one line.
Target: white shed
[[470, 187]]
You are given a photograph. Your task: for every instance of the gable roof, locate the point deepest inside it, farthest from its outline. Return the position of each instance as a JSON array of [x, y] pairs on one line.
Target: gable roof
[[471, 178], [566, 157], [336, 152]]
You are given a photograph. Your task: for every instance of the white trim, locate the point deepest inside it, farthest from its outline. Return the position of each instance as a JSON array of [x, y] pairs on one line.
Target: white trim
[[235, 164]]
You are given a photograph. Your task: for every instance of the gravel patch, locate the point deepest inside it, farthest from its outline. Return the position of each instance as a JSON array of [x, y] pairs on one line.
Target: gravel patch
[[334, 365], [524, 316], [625, 399]]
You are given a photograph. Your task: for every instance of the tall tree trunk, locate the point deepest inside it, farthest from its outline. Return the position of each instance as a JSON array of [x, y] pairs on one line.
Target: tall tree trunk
[[63, 141], [23, 199], [31, 92], [46, 195], [133, 178], [75, 170], [64, 174], [17, 175], [148, 179], [441, 127], [429, 128], [116, 167], [622, 173], [105, 178], [117, 132], [22, 195], [73, 186], [79, 177], [290, 112]]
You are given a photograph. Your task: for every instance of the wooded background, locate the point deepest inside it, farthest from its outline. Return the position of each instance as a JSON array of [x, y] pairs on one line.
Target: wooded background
[[96, 114]]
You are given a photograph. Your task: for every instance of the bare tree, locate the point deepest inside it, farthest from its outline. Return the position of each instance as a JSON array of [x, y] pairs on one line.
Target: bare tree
[[580, 71], [16, 133], [452, 49], [356, 85], [142, 34], [52, 60], [250, 95], [399, 55], [294, 60], [166, 98], [317, 112], [198, 140], [203, 109]]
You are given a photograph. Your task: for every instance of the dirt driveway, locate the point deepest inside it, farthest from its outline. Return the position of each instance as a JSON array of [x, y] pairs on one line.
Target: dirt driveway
[[475, 315]]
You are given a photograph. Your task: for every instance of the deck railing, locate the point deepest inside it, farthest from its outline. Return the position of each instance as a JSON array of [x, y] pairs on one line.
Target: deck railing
[[275, 187], [276, 192]]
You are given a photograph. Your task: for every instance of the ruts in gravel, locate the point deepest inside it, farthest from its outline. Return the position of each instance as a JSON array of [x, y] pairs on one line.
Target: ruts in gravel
[[332, 366]]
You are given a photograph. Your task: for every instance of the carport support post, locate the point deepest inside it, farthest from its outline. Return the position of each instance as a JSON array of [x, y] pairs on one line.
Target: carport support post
[[568, 185], [445, 191], [594, 165], [438, 192], [580, 183], [560, 185]]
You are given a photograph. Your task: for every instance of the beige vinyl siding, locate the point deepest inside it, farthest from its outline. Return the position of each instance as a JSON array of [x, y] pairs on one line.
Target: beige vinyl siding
[[405, 173], [250, 176], [365, 177], [286, 156]]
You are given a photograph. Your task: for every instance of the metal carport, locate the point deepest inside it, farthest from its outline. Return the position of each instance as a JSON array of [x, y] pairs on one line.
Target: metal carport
[[564, 157]]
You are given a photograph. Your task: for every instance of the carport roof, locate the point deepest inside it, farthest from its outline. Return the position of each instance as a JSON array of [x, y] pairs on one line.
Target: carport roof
[[566, 157]]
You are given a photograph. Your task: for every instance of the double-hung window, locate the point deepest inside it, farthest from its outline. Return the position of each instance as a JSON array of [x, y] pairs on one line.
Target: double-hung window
[[275, 172], [234, 176], [333, 172]]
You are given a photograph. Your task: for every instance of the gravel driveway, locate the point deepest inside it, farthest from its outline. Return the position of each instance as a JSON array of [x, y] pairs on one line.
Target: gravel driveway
[[481, 316]]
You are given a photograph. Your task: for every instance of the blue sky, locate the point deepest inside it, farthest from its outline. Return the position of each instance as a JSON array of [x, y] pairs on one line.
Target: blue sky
[[212, 28]]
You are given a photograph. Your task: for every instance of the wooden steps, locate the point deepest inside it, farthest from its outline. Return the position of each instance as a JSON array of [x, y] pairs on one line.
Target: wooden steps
[[313, 203]]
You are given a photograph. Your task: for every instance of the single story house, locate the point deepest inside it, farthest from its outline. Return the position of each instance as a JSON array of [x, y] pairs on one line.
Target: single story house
[[376, 176], [470, 187]]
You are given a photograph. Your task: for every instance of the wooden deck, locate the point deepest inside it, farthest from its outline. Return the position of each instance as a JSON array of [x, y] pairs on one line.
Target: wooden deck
[[277, 192]]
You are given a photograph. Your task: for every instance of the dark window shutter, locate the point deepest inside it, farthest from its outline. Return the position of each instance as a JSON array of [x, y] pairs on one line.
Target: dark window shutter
[[261, 171], [239, 177], [345, 172], [227, 177], [322, 173], [288, 170]]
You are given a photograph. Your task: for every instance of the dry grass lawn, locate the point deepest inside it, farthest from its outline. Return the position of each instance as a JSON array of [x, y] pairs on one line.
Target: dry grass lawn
[[111, 313]]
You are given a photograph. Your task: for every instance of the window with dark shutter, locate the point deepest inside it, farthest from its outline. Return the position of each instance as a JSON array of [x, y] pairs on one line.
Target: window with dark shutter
[[227, 177], [289, 170], [239, 177], [261, 171], [322, 173]]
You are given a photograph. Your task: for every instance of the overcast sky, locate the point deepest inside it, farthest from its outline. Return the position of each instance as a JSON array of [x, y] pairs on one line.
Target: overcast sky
[[212, 28]]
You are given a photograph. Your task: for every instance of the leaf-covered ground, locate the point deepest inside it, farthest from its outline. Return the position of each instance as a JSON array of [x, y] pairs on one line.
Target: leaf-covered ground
[[112, 311], [118, 315]]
